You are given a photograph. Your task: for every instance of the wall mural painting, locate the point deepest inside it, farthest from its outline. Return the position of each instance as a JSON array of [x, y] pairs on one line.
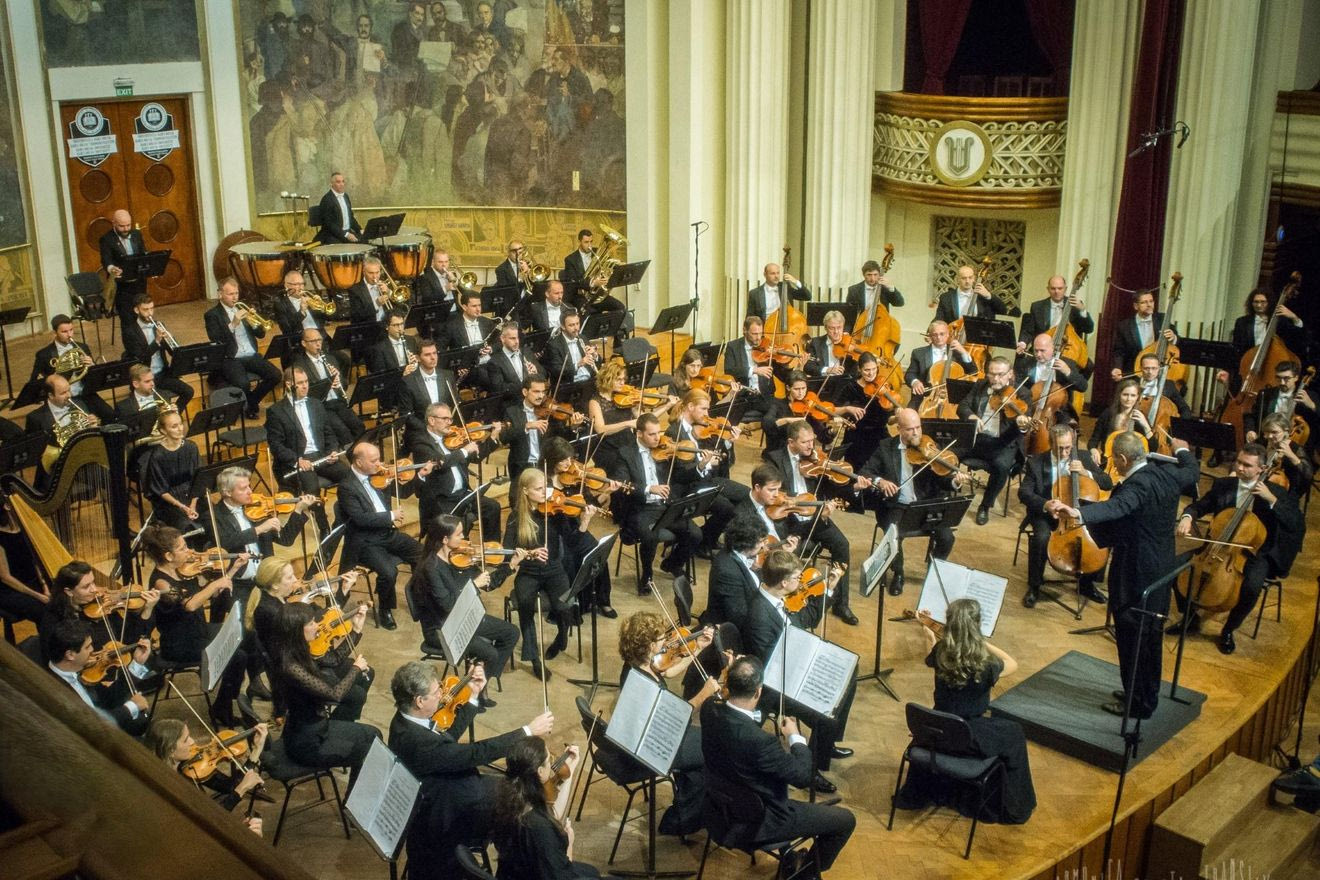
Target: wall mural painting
[[13, 224], [89, 33], [454, 103]]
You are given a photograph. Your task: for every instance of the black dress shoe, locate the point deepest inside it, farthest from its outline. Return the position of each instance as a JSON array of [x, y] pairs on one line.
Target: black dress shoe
[[258, 691], [607, 611], [259, 794], [823, 785], [386, 619], [540, 671], [839, 752], [1226, 643], [558, 645], [982, 516], [644, 588], [485, 702], [896, 585], [845, 614], [1117, 707], [1030, 599], [1092, 593], [1193, 626], [1119, 695]]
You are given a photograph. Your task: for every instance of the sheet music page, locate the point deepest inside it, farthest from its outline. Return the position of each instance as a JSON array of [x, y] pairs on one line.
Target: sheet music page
[[456, 632], [372, 781], [632, 711], [827, 677], [801, 646], [959, 582], [394, 810], [664, 732], [988, 590], [875, 565], [216, 655]]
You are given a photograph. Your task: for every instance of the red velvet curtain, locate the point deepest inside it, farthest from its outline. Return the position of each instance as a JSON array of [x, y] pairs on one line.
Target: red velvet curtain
[[1052, 26], [1139, 232], [941, 30]]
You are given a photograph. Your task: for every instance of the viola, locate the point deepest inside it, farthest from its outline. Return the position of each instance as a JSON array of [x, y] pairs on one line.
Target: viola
[[130, 599], [265, 506], [628, 397], [876, 329], [492, 553], [572, 505], [593, 478], [685, 451], [788, 354], [454, 692], [804, 504], [333, 627], [402, 470], [224, 746], [108, 658], [924, 618], [883, 394], [472, 432], [319, 586], [813, 407], [1008, 403], [716, 427], [213, 560], [928, 453], [555, 411], [820, 464], [1072, 551], [847, 347], [769, 544]]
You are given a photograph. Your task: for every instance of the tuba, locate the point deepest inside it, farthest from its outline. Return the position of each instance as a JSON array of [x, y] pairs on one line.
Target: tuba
[[70, 364], [252, 317], [602, 264]]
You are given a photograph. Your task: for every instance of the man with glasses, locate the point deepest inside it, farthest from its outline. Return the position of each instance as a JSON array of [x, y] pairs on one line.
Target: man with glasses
[[321, 365], [450, 484], [292, 311], [995, 443]]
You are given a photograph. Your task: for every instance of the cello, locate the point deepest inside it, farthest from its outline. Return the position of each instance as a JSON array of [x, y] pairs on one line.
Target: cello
[[786, 327], [1215, 578], [1162, 348], [1257, 366], [1072, 550], [875, 328]]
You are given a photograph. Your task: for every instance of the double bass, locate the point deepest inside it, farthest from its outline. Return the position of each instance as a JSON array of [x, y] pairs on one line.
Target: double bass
[[1257, 366], [1067, 342], [1159, 414], [786, 326], [1162, 348], [875, 328], [978, 353]]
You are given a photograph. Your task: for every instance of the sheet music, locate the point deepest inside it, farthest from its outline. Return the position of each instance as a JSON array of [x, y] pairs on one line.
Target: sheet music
[[216, 655], [819, 672], [456, 632], [632, 710], [382, 800], [648, 722], [875, 565], [960, 582]]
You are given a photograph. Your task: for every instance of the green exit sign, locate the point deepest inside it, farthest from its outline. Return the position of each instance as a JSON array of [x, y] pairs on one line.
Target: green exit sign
[[123, 88]]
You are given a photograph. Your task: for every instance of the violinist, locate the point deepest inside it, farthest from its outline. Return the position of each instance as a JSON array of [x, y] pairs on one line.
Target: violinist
[[69, 647], [559, 461], [170, 469], [736, 748], [613, 424], [653, 486], [436, 585], [1280, 398], [181, 616], [238, 534], [1285, 527], [1135, 333], [303, 441], [569, 359], [456, 798], [874, 284], [527, 431], [1039, 478], [312, 737], [509, 365], [766, 618], [1275, 435], [824, 362], [649, 647], [734, 581], [871, 427], [999, 425], [764, 299], [1044, 314], [704, 471], [749, 365], [818, 528], [447, 489], [541, 570], [171, 741], [968, 298], [941, 350], [75, 589], [1041, 362], [782, 413], [533, 834], [373, 527], [891, 471], [688, 369]]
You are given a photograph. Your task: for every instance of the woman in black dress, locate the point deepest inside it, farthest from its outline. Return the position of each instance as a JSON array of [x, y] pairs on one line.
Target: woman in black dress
[[170, 469], [311, 737], [1122, 415], [173, 743], [22, 592], [181, 614], [966, 668], [612, 424], [871, 428], [558, 458], [533, 843]]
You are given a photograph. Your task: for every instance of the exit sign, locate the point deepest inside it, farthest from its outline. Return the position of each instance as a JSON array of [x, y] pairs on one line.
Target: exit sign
[[123, 88]]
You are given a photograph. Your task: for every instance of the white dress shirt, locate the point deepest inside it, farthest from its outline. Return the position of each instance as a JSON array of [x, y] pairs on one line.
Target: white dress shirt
[[149, 333], [250, 570], [651, 472], [136, 669], [343, 210], [376, 504], [533, 437], [242, 336], [907, 493], [300, 410]]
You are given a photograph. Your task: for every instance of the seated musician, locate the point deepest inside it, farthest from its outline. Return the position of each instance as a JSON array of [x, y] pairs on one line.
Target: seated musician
[[757, 377], [75, 590], [508, 272], [569, 359], [799, 447], [588, 294], [424, 386], [435, 587], [613, 424], [1285, 527], [1276, 436], [1123, 414], [311, 736], [304, 440], [968, 298], [643, 638], [312, 358], [57, 409], [468, 328], [766, 619], [891, 471], [397, 351], [1037, 366], [292, 311], [69, 646], [1150, 387], [172, 742], [824, 362], [654, 484], [238, 534], [1137, 332], [764, 299], [22, 591], [242, 363], [148, 342], [373, 527], [527, 431], [448, 488], [871, 427], [143, 396], [1041, 475], [941, 350], [546, 313], [181, 615], [781, 414], [995, 448], [369, 300], [702, 472], [734, 580], [61, 343], [863, 294], [1249, 328], [559, 460], [736, 748], [541, 570], [1044, 314], [966, 667], [437, 285], [456, 800], [1281, 398], [509, 365], [532, 832]]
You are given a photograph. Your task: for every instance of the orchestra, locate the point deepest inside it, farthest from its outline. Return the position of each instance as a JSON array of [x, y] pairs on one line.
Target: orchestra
[[523, 443]]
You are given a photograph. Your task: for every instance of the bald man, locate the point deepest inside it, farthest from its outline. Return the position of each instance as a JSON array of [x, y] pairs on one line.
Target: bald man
[[117, 245], [764, 299]]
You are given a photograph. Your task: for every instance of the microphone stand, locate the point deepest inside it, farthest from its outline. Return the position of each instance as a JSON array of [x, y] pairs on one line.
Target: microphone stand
[[697, 230]]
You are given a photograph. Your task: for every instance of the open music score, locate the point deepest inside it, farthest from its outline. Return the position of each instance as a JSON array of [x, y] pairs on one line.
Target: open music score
[[818, 674], [649, 722], [947, 581], [382, 801]]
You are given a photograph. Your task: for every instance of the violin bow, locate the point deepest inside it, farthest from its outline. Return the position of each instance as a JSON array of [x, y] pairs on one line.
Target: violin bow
[[540, 653], [119, 655], [394, 452], [673, 626], [928, 463], [572, 792], [229, 753], [554, 395]]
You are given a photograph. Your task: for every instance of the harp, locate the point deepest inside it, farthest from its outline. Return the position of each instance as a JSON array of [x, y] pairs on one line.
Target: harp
[[84, 507]]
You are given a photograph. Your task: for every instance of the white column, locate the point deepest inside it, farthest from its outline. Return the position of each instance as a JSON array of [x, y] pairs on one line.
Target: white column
[[839, 121], [1105, 41], [756, 151], [1214, 96]]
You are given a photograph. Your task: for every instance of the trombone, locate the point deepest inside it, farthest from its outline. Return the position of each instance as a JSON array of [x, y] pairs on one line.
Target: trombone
[[534, 273], [398, 293], [252, 318], [463, 282]]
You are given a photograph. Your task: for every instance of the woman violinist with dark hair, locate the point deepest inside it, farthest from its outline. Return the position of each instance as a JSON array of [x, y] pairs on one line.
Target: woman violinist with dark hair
[[172, 742]]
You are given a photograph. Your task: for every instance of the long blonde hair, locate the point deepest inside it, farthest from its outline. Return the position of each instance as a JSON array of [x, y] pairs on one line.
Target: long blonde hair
[[961, 656], [269, 570], [528, 536]]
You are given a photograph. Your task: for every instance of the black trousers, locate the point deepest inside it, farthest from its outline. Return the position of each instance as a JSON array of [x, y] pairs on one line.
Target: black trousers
[[996, 456], [641, 522], [492, 643], [549, 583], [239, 372], [339, 410], [722, 509], [384, 557], [329, 744], [831, 826], [1142, 655], [21, 605], [579, 544], [430, 506], [1038, 550], [826, 534]]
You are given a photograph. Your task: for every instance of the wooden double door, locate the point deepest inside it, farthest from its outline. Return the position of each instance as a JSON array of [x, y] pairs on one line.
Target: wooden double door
[[149, 173]]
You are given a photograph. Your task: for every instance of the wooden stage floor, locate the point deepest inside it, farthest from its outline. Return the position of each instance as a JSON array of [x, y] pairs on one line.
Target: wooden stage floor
[[1075, 799]]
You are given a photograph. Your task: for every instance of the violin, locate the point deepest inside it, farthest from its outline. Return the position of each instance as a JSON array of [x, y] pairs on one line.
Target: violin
[[593, 478], [814, 583], [713, 428], [677, 647], [265, 506], [847, 347], [924, 618], [804, 504], [928, 453], [225, 745], [555, 411], [628, 397], [333, 627], [492, 553], [813, 407], [213, 560], [717, 384], [560, 771], [878, 331], [130, 599], [1010, 406], [472, 432], [1071, 550], [454, 692], [820, 464], [402, 470], [769, 544], [572, 505], [320, 586], [105, 660], [670, 448], [789, 355]]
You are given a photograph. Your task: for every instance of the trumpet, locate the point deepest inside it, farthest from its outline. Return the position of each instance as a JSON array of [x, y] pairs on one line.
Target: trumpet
[[324, 306], [70, 363], [170, 342], [252, 317]]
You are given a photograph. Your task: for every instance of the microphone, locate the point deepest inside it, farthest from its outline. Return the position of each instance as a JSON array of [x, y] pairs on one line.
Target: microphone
[[696, 224]]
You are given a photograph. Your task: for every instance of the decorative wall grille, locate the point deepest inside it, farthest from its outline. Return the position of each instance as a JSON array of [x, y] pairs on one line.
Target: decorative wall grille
[[965, 241]]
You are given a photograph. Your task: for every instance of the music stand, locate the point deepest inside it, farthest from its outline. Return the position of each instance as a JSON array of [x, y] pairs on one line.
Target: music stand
[[733, 410], [140, 267], [485, 410], [537, 341], [688, 507], [650, 366], [204, 479], [215, 419], [987, 331], [371, 387], [456, 359], [140, 423], [500, 300], [10, 316], [320, 389], [200, 357], [33, 392], [427, 316], [625, 274], [957, 389], [356, 338], [816, 312], [926, 517], [603, 325], [1208, 353], [22, 452], [1204, 434], [595, 562], [382, 227], [668, 321], [710, 351], [283, 347], [102, 377], [945, 430]]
